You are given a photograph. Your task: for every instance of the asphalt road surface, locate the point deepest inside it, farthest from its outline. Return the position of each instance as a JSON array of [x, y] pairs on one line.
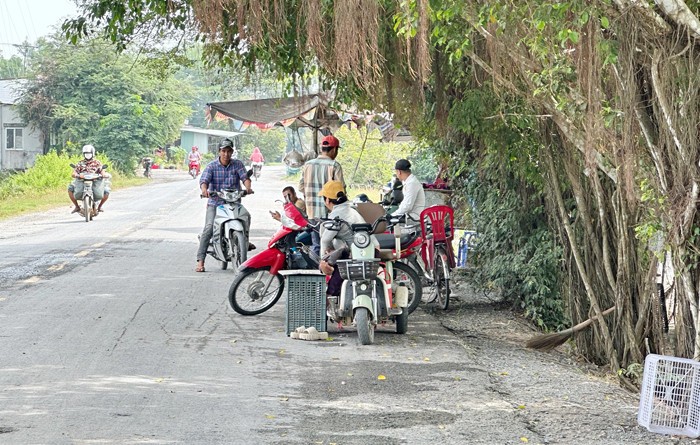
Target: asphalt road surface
[[108, 336]]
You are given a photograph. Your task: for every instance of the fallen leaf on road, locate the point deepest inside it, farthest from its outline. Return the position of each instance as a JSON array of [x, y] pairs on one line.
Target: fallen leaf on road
[[284, 399], [426, 359], [381, 377], [159, 379], [269, 416], [504, 373], [524, 439], [521, 406]]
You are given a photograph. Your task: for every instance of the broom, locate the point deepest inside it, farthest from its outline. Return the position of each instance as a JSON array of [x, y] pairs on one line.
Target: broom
[[547, 342]]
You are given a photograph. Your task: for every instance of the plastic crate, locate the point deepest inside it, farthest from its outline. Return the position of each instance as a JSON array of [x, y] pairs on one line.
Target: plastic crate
[[306, 301], [670, 399]]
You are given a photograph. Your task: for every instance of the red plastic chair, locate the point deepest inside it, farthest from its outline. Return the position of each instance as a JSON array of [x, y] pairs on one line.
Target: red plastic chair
[[436, 216]]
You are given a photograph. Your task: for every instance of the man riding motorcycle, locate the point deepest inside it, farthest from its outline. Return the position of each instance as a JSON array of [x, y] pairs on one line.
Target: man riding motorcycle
[[100, 187], [194, 158], [222, 173]]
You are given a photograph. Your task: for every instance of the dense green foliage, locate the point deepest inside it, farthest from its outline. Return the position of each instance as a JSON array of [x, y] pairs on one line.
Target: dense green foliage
[[117, 102]]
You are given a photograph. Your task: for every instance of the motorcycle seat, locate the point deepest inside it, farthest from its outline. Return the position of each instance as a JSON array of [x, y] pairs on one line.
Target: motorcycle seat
[[387, 240]]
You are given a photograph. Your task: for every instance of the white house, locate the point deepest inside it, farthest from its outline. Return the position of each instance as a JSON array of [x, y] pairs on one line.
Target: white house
[[19, 142]]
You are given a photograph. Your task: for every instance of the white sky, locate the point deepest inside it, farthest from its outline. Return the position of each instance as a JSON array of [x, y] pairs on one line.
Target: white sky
[[22, 20]]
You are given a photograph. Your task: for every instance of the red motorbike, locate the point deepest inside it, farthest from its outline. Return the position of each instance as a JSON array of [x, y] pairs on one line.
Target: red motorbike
[[194, 169], [258, 284], [410, 247]]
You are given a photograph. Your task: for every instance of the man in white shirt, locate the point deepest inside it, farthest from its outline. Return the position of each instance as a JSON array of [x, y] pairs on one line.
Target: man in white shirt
[[413, 195]]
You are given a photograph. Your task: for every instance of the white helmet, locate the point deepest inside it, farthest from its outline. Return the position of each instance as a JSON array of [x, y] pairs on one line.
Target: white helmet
[[88, 151]]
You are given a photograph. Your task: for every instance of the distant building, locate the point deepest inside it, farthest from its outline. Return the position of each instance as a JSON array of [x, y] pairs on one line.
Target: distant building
[[19, 142], [206, 139]]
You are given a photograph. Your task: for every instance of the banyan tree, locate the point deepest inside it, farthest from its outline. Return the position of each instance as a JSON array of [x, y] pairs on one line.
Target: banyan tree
[[582, 115]]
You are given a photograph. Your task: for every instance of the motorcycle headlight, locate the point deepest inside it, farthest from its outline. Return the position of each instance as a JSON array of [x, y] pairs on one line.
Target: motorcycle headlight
[[361, 239]]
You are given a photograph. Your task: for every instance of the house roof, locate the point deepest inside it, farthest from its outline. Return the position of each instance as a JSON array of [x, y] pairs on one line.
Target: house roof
[[211, 132], [9, 90]]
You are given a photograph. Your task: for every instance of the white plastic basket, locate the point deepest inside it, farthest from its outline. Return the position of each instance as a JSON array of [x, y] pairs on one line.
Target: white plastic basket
[[670, 399]]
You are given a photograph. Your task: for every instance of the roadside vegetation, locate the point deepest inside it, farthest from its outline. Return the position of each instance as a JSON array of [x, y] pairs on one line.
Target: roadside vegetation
[[568, 128]]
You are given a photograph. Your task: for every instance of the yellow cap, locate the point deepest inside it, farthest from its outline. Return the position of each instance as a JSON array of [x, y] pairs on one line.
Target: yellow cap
[[331, 189]]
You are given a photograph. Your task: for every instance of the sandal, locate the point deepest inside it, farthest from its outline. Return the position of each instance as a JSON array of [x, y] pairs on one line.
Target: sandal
[[199, 268], [76, 210]]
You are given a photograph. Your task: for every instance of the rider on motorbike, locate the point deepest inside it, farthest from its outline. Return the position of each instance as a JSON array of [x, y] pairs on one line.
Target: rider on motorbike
[[221, 173], [194, 158], [256, 158], [100, 187], [335, 243]]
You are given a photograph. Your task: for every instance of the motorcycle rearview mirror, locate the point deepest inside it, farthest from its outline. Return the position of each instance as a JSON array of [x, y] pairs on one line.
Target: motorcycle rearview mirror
[[72, 165]]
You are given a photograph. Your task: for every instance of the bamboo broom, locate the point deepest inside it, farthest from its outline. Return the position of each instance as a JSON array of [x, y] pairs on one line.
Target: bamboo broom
[[547, 342]]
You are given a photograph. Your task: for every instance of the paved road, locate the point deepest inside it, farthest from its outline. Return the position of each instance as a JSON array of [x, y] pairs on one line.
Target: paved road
[[108, 336]]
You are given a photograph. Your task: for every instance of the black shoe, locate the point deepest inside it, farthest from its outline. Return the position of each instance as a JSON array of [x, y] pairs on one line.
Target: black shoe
[[251, 246]]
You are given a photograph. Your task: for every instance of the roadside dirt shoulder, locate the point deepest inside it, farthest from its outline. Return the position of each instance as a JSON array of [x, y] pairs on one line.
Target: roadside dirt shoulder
[[558, 398]]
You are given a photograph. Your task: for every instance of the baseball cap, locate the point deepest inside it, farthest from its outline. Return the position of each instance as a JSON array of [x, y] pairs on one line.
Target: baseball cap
[[402, 164], [331, 189], [330, 141]]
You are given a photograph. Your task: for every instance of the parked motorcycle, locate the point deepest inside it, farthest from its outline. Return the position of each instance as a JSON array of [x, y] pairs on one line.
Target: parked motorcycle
[[88, 210], [229, 241], [369, 296], [259, 285]]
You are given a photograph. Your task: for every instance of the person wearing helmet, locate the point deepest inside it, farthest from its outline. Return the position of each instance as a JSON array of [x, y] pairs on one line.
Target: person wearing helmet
[[314, 174], [100, 187], [194, 158], [223, 172], [335, 243]]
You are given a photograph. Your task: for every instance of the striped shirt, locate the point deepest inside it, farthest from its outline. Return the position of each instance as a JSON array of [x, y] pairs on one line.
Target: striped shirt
[[218, 177], [314, 174]]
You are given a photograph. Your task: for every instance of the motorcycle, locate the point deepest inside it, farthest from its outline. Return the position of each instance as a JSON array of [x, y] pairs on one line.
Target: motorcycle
[[194, 169], [147, 164], [259, 284], [369, 296], [257, 168], [89, 207], [229, 241], [406, 270]]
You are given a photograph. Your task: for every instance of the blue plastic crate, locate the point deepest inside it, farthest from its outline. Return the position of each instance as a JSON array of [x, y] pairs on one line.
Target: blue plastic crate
[[306, 301]]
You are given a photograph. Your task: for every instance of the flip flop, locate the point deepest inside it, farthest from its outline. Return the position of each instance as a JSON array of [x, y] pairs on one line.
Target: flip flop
[[199, 269], [75, 210]]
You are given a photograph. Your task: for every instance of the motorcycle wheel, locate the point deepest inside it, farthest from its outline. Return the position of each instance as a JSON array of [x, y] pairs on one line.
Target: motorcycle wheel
[[246, 293], [402, 322], [365, 330], [238, 247], [193, 173], [404, 273], [442, 279], [87, 208]]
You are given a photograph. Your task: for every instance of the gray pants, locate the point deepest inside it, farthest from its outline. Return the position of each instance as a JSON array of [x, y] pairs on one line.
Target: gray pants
[[207, 233]]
